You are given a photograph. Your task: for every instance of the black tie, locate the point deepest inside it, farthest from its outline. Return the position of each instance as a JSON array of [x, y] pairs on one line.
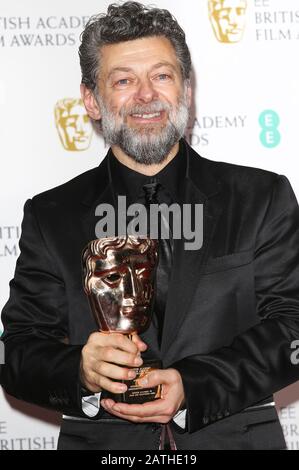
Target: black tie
[[154, 195]]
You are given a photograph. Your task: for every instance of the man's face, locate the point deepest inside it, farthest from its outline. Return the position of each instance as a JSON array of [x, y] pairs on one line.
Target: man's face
[[74, 127], [228, 19], [142, 98], [121, 287]]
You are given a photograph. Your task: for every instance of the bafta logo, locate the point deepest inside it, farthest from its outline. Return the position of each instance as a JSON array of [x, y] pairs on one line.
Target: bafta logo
[[228, 19], [2, 352], [73, 124]]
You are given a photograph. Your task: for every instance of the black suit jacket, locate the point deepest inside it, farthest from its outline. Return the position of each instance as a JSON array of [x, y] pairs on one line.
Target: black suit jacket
[[232, 310]]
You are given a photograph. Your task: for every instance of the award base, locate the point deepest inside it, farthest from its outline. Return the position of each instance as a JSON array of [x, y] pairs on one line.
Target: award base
[[135, 394]]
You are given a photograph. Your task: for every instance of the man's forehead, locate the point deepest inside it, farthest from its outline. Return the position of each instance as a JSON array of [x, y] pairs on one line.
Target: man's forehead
[[147, 51]]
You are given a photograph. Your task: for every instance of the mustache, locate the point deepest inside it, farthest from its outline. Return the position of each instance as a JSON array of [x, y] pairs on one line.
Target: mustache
[[155, 107]]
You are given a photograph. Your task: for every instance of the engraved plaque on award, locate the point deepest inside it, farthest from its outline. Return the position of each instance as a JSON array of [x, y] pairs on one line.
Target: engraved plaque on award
[[119, 279]]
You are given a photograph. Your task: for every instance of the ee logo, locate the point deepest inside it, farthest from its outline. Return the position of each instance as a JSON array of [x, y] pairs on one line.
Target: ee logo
[[269, 122]]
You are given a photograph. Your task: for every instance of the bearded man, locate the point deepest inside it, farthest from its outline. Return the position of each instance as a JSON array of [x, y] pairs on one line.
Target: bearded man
[[225, 316]]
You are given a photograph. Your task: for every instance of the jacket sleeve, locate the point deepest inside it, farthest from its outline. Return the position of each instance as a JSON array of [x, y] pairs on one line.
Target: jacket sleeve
[[259, 361], [40, 367]]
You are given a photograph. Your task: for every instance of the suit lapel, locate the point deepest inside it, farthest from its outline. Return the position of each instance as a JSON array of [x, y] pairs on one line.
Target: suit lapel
[[99, 192], [188, 264]]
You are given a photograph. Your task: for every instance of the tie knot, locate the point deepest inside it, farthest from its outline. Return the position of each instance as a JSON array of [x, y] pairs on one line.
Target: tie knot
[[150, 191]]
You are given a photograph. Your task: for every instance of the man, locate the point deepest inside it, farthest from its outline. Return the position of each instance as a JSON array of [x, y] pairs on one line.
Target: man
[[226, 315]]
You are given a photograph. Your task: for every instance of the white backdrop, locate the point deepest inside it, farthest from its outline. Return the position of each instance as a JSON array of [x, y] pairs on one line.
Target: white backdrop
[[246, 102]]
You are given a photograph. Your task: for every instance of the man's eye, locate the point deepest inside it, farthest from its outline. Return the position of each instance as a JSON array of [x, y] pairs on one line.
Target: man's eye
[[122, 81], [163, 77]]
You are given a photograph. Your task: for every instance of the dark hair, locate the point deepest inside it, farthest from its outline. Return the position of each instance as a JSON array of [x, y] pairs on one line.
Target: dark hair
[[125, 22]]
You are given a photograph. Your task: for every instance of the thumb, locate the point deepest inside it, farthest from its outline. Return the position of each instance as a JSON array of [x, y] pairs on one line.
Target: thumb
[[151, 379]]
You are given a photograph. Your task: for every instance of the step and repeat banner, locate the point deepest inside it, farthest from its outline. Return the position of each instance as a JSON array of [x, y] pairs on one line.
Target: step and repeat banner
[[246, 101]]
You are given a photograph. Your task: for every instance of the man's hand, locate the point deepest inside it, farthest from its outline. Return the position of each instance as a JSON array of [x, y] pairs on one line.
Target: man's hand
[[158, 411], [103, 358]]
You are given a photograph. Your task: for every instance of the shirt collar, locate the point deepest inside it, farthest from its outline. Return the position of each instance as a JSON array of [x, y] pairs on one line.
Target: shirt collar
[[129, 182]]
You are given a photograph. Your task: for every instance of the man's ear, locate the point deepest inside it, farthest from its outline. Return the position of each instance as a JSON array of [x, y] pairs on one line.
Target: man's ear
[[189, 93], [90, 103]]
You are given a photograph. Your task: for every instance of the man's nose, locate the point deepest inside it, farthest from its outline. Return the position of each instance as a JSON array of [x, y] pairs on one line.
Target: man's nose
[[145, 92]]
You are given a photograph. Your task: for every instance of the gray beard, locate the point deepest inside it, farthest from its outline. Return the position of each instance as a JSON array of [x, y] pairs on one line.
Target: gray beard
[[147, 145]]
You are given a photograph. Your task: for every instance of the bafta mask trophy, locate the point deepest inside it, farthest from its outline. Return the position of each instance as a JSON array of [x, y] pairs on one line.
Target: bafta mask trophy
[[118, 278]]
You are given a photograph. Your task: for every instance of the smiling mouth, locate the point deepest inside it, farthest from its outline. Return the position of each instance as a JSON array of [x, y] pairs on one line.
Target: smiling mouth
[[148, 117]]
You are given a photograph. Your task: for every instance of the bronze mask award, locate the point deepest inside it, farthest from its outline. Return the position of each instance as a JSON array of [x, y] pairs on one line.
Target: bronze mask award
[[119, 279]]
